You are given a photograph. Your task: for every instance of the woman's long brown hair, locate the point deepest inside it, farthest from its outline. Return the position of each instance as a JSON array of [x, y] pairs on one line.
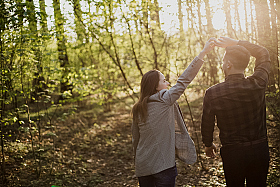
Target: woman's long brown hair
[[149, 84]]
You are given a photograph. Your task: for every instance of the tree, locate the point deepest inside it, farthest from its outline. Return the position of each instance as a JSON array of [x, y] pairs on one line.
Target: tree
[[212, 58], [38, 80], [43, 14], [274, 36], [79, 28], [264, 33], [180, 17], [228, 18], [237, 18], [61, 47]]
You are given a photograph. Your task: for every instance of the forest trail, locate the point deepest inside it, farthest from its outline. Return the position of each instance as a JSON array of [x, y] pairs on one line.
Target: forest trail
[[93, 148], [100, 151]]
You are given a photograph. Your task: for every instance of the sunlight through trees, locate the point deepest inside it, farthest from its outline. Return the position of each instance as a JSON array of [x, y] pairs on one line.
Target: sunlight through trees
[[56, 52]]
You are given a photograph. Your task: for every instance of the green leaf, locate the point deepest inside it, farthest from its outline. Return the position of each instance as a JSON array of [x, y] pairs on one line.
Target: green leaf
[[51, 134]]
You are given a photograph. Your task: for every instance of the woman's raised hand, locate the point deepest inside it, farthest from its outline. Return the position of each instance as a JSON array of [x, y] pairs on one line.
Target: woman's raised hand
[[210, 44]]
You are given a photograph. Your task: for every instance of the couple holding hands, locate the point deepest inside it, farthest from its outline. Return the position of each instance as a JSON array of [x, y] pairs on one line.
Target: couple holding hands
[[237, 105]]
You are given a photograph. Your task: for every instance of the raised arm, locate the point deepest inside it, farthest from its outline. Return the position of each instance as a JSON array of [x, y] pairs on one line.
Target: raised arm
[[262, 65], [188, 75], [257, 51]]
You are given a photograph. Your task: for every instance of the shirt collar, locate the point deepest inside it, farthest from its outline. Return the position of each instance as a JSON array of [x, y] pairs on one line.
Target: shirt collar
[[238, 76]]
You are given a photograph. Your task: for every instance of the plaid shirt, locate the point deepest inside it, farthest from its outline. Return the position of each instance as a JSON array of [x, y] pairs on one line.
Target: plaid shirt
[[238, 103]]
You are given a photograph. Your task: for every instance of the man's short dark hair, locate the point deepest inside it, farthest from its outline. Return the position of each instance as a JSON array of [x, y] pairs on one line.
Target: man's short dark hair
[[238, 55]]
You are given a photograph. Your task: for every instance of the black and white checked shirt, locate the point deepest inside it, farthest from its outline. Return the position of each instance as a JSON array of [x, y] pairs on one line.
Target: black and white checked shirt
[[238, 103]]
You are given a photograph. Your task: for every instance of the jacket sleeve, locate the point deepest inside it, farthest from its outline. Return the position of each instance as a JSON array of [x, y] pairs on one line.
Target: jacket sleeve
[[184, 80], [262, 66], [135, 136]]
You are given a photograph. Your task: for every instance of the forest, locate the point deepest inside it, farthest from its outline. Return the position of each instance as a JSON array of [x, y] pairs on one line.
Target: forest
[[71, 72]]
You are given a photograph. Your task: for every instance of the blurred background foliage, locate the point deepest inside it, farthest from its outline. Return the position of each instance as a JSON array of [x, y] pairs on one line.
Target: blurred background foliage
[[58, 52]]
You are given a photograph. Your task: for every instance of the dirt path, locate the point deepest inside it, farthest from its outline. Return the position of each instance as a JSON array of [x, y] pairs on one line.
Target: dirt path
[[100, 153], [93, 148]]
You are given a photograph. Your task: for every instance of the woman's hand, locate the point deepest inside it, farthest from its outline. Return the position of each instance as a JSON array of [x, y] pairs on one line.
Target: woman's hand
[[225, 42], [209, 46]]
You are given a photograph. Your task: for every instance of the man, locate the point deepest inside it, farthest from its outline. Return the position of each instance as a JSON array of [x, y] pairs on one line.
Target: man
[[238, 104]]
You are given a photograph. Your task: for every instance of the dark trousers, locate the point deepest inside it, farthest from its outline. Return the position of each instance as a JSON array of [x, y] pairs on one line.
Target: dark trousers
[[164, 178], [246, 162]]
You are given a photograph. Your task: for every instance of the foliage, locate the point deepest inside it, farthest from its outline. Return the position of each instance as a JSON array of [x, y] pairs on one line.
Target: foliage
[[101, 54]]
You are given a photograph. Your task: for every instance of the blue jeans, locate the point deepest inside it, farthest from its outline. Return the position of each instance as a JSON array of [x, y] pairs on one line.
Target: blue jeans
[[165, 178], [246, 162]]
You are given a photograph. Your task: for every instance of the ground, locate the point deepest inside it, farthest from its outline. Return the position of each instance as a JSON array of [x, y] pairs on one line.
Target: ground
[[93, 148]]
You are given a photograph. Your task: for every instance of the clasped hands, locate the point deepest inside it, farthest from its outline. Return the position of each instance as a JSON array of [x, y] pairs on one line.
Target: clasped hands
[[220, 42]]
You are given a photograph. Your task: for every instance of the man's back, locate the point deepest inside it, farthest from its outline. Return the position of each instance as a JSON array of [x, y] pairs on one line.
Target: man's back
[[239, 107], [238, 103]]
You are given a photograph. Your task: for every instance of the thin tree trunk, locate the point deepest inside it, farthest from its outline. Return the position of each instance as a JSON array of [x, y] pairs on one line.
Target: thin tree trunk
[[246, 20], [38, 77], [43, 22], [264, 32], [253, 27], [228, 17], [144, 5], [210, 28], [199, 17], [61, 46], [2, 28], [180, 17], [277, 6], [274, 43], [79, 28], [201, 41], [154, 11], [211, 57], [236, 4]]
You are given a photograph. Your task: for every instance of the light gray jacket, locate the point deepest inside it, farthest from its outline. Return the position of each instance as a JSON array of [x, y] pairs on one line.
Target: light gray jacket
[[164, 133]]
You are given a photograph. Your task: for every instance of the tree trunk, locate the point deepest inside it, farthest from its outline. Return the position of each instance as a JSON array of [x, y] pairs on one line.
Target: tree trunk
[[253, 29], [237, 18], [246, 20], [199, 17], [264, 32], [61, 46], [3, 22], [43, 22], [144, 19], [212, 58], [274, 43], [277, 72], [180, 17], [228, 18], [263, 22], [38, 80], [79, 28], [210, 28], [154, 11]]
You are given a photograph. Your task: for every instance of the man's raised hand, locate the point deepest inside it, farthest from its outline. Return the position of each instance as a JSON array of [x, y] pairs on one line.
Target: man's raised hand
[[225, 42]]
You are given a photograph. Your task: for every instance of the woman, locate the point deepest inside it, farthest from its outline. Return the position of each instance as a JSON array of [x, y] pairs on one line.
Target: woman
[[158, 128]]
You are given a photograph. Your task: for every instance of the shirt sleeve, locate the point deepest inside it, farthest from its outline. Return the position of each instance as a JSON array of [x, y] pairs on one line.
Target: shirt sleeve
[[262, 66], [208, 121], [135, 136]]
